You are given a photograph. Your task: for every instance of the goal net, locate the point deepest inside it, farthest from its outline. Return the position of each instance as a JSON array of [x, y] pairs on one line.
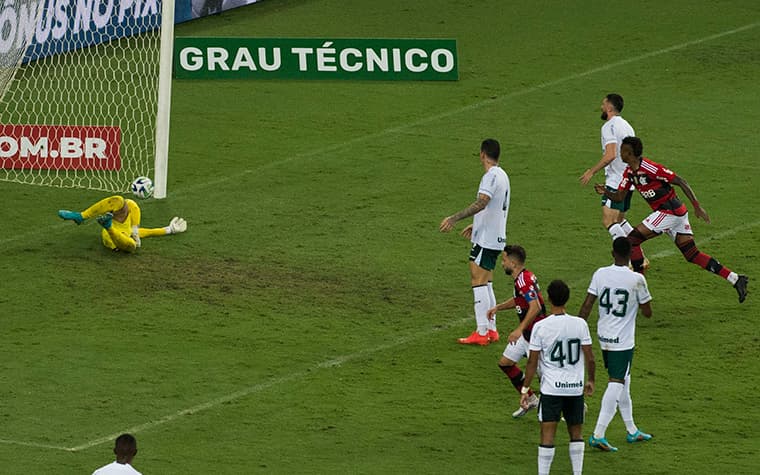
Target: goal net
[[80, 89]]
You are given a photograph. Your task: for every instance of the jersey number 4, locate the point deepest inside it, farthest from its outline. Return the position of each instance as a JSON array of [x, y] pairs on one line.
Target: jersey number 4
[[621, 305], [567, 351]]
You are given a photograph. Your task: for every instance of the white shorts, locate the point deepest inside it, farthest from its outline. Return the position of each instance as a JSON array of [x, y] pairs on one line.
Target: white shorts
[[517, 350], [669, 224]]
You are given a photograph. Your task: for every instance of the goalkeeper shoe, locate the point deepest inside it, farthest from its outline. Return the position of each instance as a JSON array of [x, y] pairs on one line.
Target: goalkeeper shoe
[[105, 220], [177, 225], [71, 216], [638, 437]]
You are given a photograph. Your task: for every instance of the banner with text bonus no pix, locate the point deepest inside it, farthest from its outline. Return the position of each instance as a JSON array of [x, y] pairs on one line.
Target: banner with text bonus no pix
[[311, 58]]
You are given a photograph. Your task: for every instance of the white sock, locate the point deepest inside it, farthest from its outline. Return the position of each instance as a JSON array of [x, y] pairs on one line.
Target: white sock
[[608, 409], [626, 227], [545, 458], [733, 277], [626, 407], [576, 456], [491, 304], [616, 231], [480, 294]]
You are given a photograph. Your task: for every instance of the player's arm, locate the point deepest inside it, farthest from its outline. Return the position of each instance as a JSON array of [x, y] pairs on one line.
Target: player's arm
[[590, 369], [534, 308], [698, 210], [530, 371], [610, 151], [588, 304], [646, 309], [505, 305], [448, 223], [618, 195]]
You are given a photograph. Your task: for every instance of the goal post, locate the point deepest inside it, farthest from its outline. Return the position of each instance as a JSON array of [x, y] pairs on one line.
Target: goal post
[[88, 103]]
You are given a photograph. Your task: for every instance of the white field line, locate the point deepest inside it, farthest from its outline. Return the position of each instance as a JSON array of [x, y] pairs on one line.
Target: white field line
[[23, 237], [476, 105], [335, 362], [256, 388], [338, 361]]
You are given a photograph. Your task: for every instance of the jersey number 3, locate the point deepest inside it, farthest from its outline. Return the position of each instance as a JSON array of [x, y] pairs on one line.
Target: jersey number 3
[[621, 306]]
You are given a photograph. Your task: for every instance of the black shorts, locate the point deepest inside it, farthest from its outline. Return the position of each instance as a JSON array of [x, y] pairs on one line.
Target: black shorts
[[552, 408]]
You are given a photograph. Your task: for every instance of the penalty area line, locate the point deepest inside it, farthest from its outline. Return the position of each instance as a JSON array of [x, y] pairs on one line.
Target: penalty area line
[[256, 388]]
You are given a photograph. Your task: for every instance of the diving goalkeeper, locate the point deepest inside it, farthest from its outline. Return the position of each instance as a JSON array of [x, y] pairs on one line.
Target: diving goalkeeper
[[120, 219]]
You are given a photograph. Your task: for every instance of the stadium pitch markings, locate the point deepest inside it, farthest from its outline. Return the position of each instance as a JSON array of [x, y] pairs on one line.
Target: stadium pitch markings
[[473, 106], [256, 388]]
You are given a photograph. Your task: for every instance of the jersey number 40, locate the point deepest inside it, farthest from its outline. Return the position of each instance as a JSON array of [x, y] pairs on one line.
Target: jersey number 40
[[566, 352]]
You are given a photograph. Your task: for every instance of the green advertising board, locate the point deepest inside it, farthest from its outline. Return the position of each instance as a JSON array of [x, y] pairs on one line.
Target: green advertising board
[[310, 58]]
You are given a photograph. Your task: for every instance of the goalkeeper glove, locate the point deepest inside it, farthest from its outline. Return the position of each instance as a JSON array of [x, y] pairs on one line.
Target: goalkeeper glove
[[177, 225]]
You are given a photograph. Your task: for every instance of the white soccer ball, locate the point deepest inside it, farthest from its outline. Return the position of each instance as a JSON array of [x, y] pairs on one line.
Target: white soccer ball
[[142, 187]]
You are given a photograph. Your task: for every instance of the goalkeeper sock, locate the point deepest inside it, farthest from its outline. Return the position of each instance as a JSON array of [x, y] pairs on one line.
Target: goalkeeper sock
[[122, 241], [106, 205]]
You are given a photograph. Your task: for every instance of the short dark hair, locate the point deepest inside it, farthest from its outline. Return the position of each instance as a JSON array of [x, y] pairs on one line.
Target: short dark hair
[[516, 251], [491, 148], [635, 143], [616, 100], [125, 446], [559, 293], [622, 247]]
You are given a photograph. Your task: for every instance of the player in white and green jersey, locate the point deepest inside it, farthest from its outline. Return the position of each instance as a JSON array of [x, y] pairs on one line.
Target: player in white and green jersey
[[621, 292], [561, 345], [488, 233]]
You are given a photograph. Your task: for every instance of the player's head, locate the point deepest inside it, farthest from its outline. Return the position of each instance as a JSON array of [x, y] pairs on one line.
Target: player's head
[[513, 258], [631, 150], [559, 293], [612, 105], [490, 149], [621, 249], [125, 448]]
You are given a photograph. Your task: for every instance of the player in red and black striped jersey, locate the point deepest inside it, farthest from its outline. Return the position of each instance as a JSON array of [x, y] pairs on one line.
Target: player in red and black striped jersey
[[529, 303], [653, 182]]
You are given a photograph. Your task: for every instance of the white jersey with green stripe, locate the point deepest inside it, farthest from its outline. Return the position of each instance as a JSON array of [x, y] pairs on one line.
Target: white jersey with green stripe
[[489, 225], [619, 292], [561, 363]]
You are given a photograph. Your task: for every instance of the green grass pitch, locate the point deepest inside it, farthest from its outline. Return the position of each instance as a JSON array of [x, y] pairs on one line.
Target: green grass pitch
[[307, 321]]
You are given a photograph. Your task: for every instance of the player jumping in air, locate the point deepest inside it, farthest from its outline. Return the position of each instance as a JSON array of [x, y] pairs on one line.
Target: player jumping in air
[[653, 182], [120, 219]]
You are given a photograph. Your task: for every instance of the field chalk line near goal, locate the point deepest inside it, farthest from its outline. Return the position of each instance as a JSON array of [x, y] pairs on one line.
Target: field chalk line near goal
[[338, 361], [330, 148]]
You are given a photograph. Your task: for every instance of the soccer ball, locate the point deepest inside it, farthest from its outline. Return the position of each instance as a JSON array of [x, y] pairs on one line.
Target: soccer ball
[[142, 187]]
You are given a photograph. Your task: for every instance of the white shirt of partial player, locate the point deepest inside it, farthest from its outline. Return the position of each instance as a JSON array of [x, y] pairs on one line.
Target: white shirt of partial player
[[627, 290], [561, 379], [614, 131], [116, 468], [489, 225]]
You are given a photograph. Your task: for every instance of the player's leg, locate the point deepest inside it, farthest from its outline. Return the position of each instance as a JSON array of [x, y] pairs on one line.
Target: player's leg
[[513, 353], [617, 372], [482, 263], [691, 253], [493, 333], [114, 238], [634, 434], [574, 409], [549, 413], [106, 205], [640, 234]]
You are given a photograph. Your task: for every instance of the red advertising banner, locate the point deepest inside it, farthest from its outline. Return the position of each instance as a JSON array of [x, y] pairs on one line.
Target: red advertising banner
[[60, 147]]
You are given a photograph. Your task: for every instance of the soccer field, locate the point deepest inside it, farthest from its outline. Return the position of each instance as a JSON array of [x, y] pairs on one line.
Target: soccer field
[[307, 320]]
